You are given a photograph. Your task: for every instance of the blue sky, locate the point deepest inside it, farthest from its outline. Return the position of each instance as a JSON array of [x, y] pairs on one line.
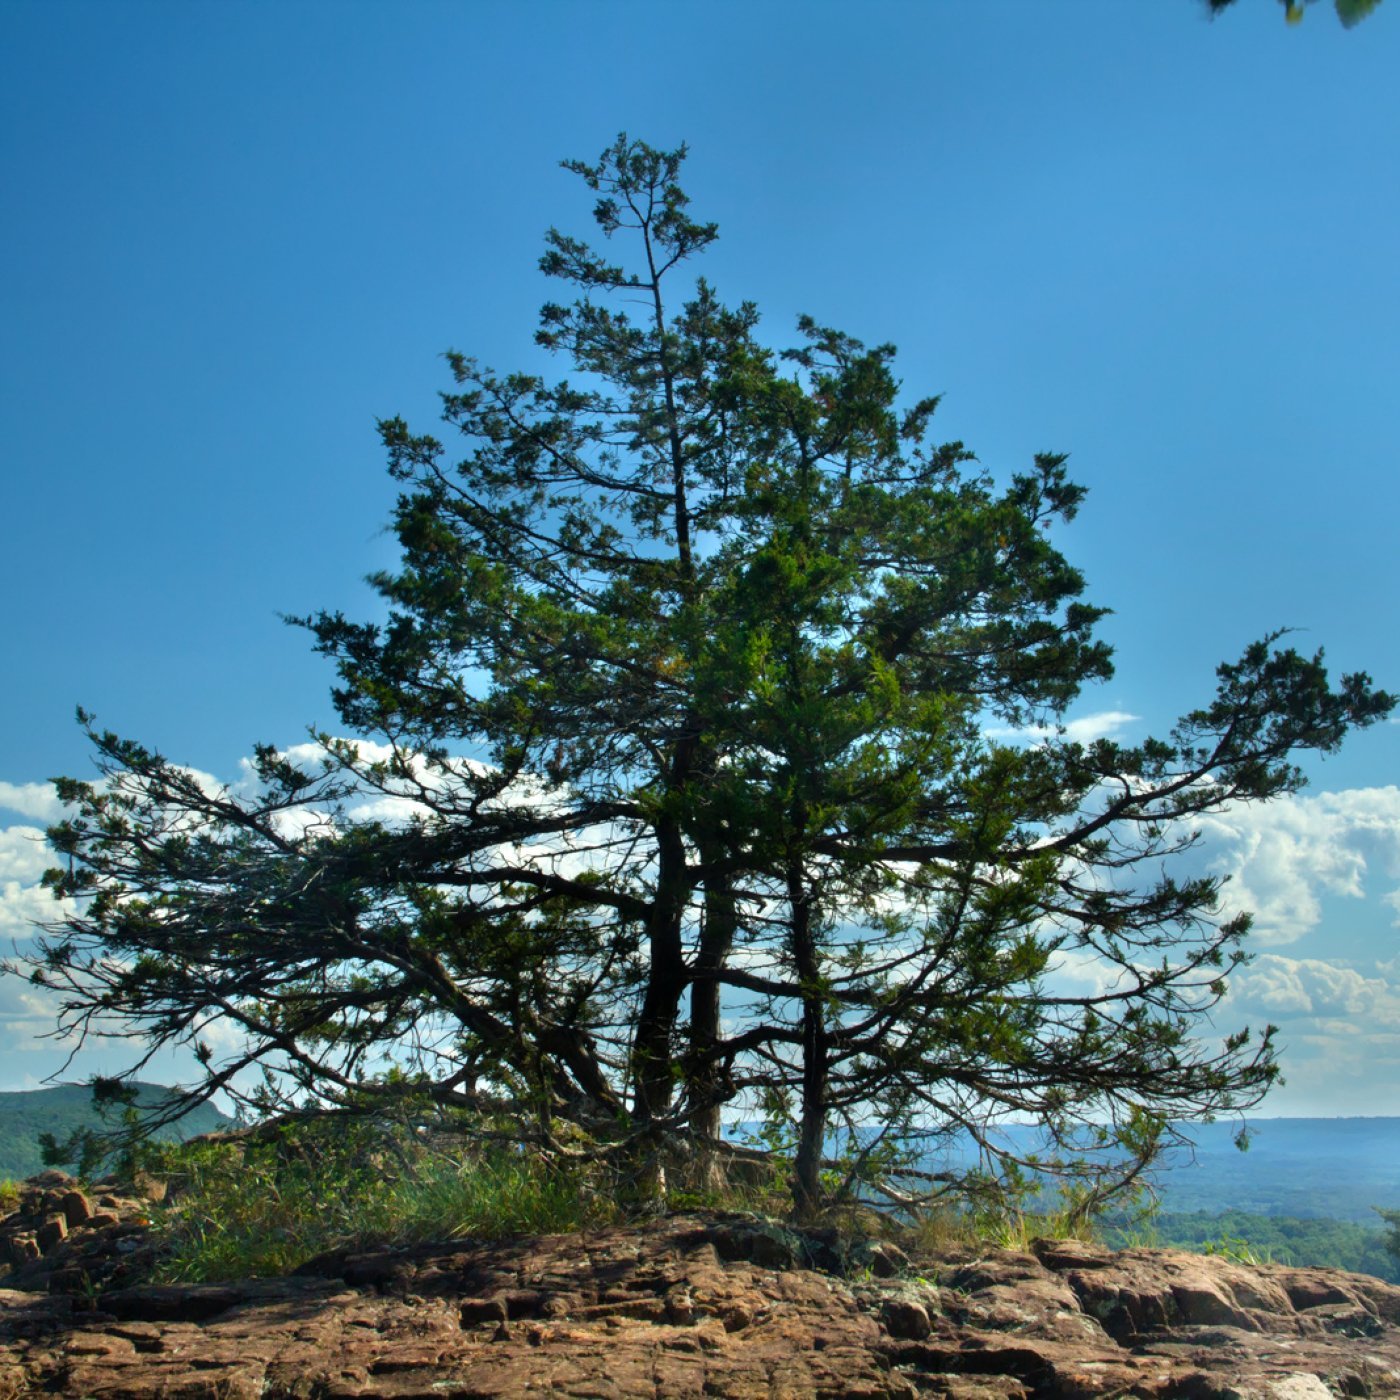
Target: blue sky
[[234, 235]]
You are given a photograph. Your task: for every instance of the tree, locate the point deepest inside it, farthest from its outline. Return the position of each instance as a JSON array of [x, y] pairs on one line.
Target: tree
[[681, 791], [1391, 1219]]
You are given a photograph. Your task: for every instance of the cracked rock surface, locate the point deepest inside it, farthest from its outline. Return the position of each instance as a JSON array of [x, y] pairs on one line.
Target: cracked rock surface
[[713, 1305]]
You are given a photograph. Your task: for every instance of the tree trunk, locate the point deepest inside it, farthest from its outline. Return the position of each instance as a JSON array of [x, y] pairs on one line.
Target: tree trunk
[[652, 1077], [807, 1192], [705, 1087]]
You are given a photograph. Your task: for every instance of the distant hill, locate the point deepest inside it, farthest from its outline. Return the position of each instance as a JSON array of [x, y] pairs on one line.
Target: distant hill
[[65, 1107], [1302, 1168]]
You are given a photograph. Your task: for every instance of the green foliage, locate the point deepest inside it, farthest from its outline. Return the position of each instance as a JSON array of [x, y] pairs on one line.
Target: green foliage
[[1011, 1228], [1392, 1234], [261, 1207]]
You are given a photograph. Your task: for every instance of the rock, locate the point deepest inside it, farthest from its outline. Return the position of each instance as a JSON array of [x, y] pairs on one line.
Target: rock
[[886, 1260], [23, 1248], [903, 1317], [172, 1302], [50, 1180], [75, 1207], [55, 1239], [712, 1305], [51, 1233], [152, 1188], [1298, 1388]]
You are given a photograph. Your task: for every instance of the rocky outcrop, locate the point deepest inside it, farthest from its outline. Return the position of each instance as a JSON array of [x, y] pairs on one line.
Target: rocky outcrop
[[717, 1306], [70, 1240]]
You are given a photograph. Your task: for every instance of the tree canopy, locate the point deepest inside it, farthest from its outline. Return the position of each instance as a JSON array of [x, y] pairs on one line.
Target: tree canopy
[[682, 789]]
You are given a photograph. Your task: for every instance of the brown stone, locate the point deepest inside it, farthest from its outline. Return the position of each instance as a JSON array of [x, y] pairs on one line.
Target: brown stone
[[694, 1306], [75, 1207], [903, 1317], [887, 1260], [152, 1188], [52, 1232], [22, 1247]]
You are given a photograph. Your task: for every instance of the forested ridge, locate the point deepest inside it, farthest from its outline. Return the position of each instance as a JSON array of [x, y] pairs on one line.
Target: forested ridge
[[1319, 1240], [64, 1109]]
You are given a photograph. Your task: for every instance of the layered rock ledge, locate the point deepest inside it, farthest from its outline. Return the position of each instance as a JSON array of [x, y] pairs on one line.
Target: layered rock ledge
[[711, 1305]]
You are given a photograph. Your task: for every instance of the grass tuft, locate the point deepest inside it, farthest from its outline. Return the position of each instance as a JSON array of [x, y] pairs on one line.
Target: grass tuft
[[241, 1210], [1006, 1227]]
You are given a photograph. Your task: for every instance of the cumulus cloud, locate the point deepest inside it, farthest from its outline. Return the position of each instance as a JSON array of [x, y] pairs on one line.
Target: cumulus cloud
[[24, 856], [22, 906], [24, 902], [1283, 856], [1078, 972], [396, 803], [35, 800], [1339, 1032], [1283, 988], [25, 1007]]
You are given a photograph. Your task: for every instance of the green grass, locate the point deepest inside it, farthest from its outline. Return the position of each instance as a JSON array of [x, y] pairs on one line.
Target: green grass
[[9, 1195], [262, 1209]]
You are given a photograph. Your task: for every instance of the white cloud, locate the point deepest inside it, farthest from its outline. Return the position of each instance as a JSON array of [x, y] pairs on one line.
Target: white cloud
[[1108, 724], [1084, 729], [26, 1007], [390, 810], [1282, 987], [396, 803], [35, 800], [1339, 1040], [1283, 856], [24, 856], [24, 905], [1079, 972]]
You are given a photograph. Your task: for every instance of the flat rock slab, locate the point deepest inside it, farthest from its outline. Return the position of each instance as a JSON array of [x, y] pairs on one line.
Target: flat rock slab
[[722, 1307]]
